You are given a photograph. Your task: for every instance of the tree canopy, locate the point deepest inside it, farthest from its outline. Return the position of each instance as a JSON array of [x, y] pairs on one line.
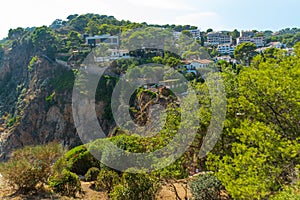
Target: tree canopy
[[245, 52]]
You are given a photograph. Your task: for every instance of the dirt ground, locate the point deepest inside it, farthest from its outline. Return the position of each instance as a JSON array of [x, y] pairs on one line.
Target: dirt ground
[[167, 192]]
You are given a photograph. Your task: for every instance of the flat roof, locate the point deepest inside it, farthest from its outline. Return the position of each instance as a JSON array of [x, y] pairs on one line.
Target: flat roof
[[204, 61]]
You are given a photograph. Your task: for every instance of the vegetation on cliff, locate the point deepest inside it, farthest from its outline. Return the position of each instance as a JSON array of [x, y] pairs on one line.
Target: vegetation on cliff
[[256, 157]]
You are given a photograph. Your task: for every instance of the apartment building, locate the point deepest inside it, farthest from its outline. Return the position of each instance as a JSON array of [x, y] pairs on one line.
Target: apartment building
[[246, 34], [258, 41], [218, 38], [195, 33], [226, 49]]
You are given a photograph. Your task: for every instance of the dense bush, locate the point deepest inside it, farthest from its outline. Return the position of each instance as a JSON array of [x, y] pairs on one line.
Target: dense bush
[[106, 180], [205, 187], [135, 186], [92, 174], [250, 172], [80, 160], [290, 193], [30, 166], [65, 183], [260, 140]]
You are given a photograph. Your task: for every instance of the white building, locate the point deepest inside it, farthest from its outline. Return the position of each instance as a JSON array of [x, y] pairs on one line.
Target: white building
[[196, 33], [119, 53], [227, 59], [246, 34], [98, 39], [261, 49], [258, 41], [241, 40], [190, 68], [217, 38], [277, 45], [176, 34], [226, 49], [213, 38], [115, 54]]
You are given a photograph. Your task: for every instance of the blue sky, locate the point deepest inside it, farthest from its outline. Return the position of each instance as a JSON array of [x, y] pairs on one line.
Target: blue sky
[[216, 14]]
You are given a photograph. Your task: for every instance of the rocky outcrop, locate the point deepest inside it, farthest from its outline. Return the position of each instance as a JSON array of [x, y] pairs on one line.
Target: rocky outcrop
[[27, 118], [31, 110]]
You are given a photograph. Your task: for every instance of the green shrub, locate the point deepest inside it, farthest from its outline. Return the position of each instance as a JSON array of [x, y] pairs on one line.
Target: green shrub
[[30, 166], [92, 174], [135, 186], [80, 160], [119, 193], [11, 122], [65, 183], [205, 187], [32, 63], [249, 171], [291, 192], [50, 98], [106, 180]]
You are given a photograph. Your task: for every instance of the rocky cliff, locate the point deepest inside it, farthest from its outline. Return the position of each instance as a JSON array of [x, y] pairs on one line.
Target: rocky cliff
[[27, 117], [36, 101]]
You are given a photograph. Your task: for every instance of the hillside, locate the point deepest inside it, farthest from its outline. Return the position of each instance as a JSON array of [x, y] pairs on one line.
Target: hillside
[[168, 103], [36, 89]]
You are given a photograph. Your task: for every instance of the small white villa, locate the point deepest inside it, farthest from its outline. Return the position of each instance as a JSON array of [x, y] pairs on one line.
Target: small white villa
[[193, 65], [115, 54]]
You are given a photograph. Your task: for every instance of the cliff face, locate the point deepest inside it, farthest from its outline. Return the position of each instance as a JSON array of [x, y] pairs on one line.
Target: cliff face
[[36, 101], [32, 110]]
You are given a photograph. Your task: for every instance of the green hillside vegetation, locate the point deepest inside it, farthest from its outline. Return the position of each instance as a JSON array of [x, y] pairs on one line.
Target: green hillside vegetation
[[256, 157], [258, 153]]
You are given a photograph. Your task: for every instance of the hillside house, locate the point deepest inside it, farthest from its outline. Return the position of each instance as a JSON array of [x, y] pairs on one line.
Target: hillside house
[[204, 63], [115, 54], [277, 45], [98, 39]]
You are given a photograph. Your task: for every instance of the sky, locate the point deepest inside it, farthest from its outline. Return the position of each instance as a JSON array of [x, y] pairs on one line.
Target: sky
[[217, 14]]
